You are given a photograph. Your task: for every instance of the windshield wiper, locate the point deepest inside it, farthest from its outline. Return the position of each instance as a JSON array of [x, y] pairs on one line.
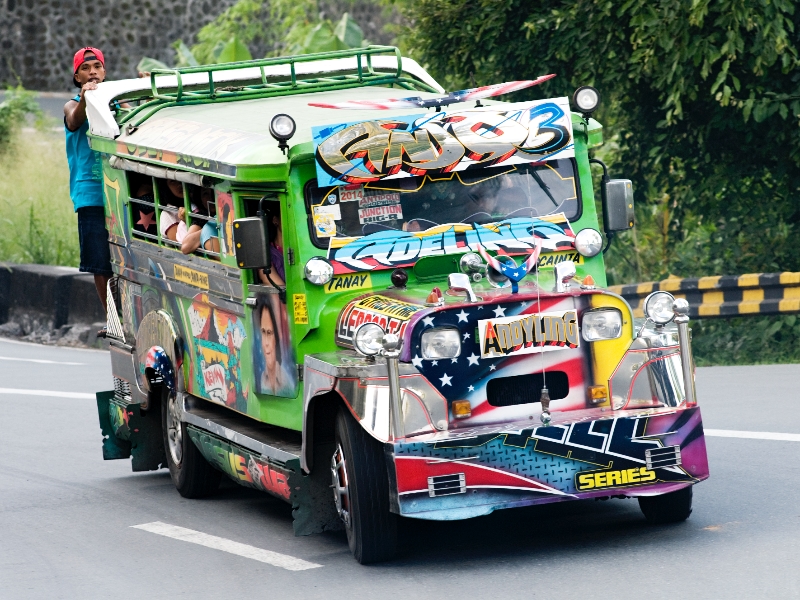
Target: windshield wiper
[[544, 187]]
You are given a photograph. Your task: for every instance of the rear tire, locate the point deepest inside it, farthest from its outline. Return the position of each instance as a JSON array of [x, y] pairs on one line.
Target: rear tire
[[673, 507], [361, 492], [192, 475]]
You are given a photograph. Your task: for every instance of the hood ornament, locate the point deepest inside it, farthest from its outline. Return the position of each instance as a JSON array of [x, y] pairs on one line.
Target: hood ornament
[[510, 269]]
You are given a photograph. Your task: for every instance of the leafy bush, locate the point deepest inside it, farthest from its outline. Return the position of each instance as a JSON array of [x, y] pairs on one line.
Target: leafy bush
[[19, 103]]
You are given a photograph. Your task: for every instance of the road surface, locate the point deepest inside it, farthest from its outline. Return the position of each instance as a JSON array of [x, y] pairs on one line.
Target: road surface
[[74, 526]]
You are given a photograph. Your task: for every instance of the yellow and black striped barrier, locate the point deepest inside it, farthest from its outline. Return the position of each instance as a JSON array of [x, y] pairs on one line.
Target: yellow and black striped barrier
[[723, 295]]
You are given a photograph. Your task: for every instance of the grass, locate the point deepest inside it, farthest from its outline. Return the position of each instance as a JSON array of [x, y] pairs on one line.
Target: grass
[[37, 221]]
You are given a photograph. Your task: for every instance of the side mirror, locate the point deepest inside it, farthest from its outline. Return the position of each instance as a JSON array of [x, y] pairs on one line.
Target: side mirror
[[617, 205], [250, 242]]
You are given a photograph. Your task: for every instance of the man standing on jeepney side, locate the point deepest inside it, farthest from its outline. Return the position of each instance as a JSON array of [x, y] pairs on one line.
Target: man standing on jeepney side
[[85, 171]]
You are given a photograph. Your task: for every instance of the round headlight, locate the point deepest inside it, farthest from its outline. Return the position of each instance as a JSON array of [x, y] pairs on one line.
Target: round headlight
[[586, 98], [658, 307], [368, 339], [282, 127], [588, 242], [318, 270]]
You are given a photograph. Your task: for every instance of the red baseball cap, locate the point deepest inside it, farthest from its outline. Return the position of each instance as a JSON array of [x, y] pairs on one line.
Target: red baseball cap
[[78, 59]]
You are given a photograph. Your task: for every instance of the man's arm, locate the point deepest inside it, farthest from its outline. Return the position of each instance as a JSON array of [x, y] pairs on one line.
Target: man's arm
[[192, 240], [75, 112]]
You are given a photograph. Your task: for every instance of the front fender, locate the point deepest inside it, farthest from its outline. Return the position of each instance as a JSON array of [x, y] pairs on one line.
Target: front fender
[[159, 348]]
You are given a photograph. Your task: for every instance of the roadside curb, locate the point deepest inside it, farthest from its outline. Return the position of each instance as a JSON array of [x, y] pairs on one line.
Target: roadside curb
[[49, 304]]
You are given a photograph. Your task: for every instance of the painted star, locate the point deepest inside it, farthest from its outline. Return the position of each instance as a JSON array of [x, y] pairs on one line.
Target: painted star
[[146, 219], [434, 363], [453, 360], [446, 380], [417, 362], [471, 388], [466, 336], [499, 311], [462, 316], [473, 359], [493, 368], [428, 321]]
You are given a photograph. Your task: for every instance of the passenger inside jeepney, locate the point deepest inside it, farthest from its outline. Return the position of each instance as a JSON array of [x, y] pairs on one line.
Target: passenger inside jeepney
[[170, 225], [201, 234], [277, 275]]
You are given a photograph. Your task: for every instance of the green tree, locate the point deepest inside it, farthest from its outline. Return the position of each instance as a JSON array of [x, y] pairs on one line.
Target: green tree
[[701, 102]]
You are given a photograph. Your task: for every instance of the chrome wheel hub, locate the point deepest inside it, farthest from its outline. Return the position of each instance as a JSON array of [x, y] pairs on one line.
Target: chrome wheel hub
[[341, 492], [174, 432]]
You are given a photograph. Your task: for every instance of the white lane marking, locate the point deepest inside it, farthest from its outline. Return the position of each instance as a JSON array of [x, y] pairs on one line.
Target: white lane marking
[[47, 393], [217, 543], [41, 361], [753, 435]]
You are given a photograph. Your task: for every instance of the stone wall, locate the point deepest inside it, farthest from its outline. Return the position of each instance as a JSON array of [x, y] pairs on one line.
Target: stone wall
[[39, 37]]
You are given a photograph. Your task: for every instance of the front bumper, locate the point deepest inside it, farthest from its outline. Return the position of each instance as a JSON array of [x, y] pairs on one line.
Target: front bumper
[[584, 454]]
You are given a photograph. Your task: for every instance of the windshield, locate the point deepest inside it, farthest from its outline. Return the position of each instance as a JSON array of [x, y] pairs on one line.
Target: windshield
[[412, 204]]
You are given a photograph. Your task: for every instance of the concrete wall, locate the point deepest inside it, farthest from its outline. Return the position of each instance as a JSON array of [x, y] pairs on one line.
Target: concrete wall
[[45, 303], [39, 37]]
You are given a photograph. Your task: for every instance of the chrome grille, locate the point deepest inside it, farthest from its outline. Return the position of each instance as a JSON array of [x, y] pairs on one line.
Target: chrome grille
[[669, 456], [445, 485], [122, 389]]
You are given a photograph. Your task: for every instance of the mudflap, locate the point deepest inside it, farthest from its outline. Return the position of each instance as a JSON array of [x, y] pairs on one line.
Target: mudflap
[[130, 432], [313, 507], [113, 447]]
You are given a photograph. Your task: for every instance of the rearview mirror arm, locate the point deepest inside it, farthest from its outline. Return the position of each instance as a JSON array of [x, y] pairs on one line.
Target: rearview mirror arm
[[606, 178]]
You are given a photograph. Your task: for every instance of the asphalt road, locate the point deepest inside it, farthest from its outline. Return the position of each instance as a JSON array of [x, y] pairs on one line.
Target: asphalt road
[[67, 517]]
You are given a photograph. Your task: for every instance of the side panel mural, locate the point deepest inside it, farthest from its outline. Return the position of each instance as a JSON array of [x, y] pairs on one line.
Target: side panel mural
[[215, 368], [274, 361], [225, 219]]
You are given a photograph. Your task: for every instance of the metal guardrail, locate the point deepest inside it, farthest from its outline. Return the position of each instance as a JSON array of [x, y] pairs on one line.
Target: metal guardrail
[[724, 295]]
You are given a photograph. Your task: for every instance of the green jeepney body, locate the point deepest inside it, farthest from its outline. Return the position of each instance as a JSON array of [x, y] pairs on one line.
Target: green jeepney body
[[195, 322]]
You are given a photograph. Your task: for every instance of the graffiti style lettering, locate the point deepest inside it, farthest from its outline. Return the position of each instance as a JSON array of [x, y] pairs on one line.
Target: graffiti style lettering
[[390, 249], [392, 315], [445, 142], [526, 334]]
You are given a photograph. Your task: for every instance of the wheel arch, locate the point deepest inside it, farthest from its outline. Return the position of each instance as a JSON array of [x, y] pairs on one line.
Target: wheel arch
[[159, 354]]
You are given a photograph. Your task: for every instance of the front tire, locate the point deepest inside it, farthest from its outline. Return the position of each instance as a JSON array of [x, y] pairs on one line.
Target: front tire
[[192, 475], [361, 492], [673, 507]]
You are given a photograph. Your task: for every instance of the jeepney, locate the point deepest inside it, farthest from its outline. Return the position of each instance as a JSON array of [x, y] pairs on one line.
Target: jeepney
[[401, 313]]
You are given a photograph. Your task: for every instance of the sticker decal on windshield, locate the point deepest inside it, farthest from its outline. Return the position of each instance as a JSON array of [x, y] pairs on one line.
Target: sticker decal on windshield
[[380, 207], [391, 248], [443, 142]]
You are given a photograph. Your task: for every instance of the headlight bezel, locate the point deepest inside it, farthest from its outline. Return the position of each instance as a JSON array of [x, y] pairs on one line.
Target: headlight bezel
[[649, 307], [425, 346], [602, 312], [360, 344]]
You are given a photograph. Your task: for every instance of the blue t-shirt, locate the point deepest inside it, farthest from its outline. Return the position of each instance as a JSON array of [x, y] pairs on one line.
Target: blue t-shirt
[[85, 168]]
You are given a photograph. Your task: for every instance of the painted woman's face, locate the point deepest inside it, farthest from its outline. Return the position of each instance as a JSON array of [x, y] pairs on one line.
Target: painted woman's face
[[268, 340]]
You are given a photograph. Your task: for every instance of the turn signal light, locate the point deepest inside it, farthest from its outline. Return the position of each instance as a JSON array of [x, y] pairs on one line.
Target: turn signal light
[[462, 409], [597, 394]]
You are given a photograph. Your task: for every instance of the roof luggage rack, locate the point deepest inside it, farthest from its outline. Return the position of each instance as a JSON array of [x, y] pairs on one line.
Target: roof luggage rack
[[256, 82]]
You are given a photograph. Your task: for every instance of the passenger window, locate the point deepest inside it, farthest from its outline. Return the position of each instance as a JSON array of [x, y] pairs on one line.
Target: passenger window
[[175, 214]]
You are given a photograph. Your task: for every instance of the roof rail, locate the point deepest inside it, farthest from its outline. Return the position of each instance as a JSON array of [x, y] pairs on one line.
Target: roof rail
[[363, 58], [278, 76]]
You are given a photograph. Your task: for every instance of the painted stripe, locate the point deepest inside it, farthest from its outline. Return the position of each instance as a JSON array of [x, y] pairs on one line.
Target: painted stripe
[[40, 361], [753, 435], [47, 393], [284, 561]]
